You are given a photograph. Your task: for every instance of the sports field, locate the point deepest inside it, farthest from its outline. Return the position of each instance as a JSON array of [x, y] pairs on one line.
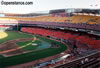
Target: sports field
[[5, 36], [27, 48]]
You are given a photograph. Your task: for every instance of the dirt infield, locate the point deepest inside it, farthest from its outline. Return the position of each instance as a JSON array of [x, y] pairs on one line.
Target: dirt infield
[[10, 48], [32, 63], [3, 34]]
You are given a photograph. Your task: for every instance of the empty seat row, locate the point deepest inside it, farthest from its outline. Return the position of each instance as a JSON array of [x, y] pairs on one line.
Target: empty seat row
[[74, 39]]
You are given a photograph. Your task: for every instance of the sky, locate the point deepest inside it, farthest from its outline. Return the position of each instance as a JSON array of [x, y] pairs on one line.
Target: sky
[[45, 5]]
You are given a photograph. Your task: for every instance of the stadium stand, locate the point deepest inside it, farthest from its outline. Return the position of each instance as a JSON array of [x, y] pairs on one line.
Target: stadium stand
[[73, 39], [65, 27], [76, 21], [83, 42]]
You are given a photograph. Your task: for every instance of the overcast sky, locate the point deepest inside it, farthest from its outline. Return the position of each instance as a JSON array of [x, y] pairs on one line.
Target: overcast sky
[[44, 5]]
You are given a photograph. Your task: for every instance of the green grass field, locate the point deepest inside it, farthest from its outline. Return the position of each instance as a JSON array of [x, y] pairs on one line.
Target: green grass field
[[1, 56], [30, 46], [31, 56], [14, 35]]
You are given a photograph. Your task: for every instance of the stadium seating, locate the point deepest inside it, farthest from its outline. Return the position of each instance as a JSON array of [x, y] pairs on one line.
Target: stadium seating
[[76, 21], [74, 39]]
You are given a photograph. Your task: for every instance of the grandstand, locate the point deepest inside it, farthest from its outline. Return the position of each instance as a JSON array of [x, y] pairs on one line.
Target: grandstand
[[77, 29]]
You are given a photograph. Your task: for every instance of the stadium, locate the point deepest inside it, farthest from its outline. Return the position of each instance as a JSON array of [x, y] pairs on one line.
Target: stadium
[[62, 38]]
